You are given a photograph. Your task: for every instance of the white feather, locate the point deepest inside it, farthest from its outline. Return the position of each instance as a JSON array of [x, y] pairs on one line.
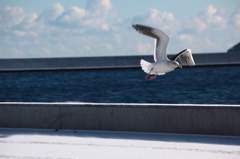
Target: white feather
[[162, 64]]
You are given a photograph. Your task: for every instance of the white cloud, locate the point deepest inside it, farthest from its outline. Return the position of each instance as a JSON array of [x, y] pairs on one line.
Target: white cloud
[[234, 19], [209, 42], [194, 25], [22, 33], [105, 27], [52, 13], [17, 52], [87, 48], [212, 17], [46, 50], [73, 17], [157, 18], [93, 16], [208, 18], [193, 33], [90, 31], [11, 16], [185, 37], [197, 44], [209, 11], [107, 46], [144, 48], [98, 7]]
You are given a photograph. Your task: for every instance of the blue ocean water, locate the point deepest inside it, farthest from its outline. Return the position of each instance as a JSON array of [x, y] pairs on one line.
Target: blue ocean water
[[199, 85]]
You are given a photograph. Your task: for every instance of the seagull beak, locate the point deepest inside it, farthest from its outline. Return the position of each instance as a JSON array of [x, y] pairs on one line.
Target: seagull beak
[[179, 66]]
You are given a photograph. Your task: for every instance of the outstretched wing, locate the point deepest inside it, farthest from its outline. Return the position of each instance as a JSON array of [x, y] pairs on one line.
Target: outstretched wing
[[185, 56], [161, 40]]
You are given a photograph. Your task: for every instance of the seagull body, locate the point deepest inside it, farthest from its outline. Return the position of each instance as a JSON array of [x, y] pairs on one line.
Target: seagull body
[[162, 64]]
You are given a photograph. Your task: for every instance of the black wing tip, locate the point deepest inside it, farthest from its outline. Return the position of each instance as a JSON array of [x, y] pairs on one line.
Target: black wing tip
[[174, 58], [135, 26], [139, 27], [183, 51]]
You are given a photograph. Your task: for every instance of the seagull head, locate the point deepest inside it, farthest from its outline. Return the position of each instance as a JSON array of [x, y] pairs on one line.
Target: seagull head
[[174, 64]]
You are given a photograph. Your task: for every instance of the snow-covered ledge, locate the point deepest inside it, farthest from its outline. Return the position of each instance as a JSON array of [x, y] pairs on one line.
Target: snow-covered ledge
[[211, 119]]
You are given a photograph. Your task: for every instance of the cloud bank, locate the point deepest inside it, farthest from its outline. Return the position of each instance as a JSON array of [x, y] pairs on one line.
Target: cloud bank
[[96, 30]]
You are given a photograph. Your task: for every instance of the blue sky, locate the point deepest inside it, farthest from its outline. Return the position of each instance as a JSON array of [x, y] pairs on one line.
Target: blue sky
[[31, 28]]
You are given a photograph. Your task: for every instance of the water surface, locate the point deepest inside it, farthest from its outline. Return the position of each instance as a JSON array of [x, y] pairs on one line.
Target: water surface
[[199, 85]]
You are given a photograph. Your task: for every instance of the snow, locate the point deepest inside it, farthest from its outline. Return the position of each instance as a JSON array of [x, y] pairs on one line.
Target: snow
[[48, 144]]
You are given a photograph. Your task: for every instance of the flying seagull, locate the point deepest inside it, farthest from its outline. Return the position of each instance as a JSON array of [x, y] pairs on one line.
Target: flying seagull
[[162, 64]]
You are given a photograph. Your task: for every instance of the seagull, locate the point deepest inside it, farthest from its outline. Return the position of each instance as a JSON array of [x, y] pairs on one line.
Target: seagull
[[162, 64]]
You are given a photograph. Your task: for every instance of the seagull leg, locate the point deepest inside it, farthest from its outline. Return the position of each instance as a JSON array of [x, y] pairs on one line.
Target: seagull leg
[[148, 73], [152, 78]]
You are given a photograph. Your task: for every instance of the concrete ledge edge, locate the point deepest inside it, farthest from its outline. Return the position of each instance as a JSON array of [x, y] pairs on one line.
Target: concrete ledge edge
[[116, 104]]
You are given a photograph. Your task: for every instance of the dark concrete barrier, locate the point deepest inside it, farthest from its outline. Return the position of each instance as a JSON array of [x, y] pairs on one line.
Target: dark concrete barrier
[[167, 118], [71, 63]]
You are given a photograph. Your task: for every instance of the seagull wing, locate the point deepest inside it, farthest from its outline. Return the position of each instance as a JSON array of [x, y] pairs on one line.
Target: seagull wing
[[161, 40], [185, 56]]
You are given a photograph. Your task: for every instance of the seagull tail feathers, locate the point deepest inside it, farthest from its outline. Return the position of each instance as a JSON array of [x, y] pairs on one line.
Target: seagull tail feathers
[[146, 66]]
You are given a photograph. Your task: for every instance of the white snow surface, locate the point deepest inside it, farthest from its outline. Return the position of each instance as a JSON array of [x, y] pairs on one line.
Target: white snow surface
[[69, 144]]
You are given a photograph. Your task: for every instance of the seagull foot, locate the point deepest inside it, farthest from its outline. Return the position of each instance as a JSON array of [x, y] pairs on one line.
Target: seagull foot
[[152, 78], [148, 73]]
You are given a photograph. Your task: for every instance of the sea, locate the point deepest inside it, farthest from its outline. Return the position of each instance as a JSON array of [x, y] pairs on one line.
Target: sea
[[189, 85]]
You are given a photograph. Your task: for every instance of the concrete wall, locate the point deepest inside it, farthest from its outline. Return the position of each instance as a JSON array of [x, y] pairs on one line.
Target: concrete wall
[[106, 62], [171, 118]]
